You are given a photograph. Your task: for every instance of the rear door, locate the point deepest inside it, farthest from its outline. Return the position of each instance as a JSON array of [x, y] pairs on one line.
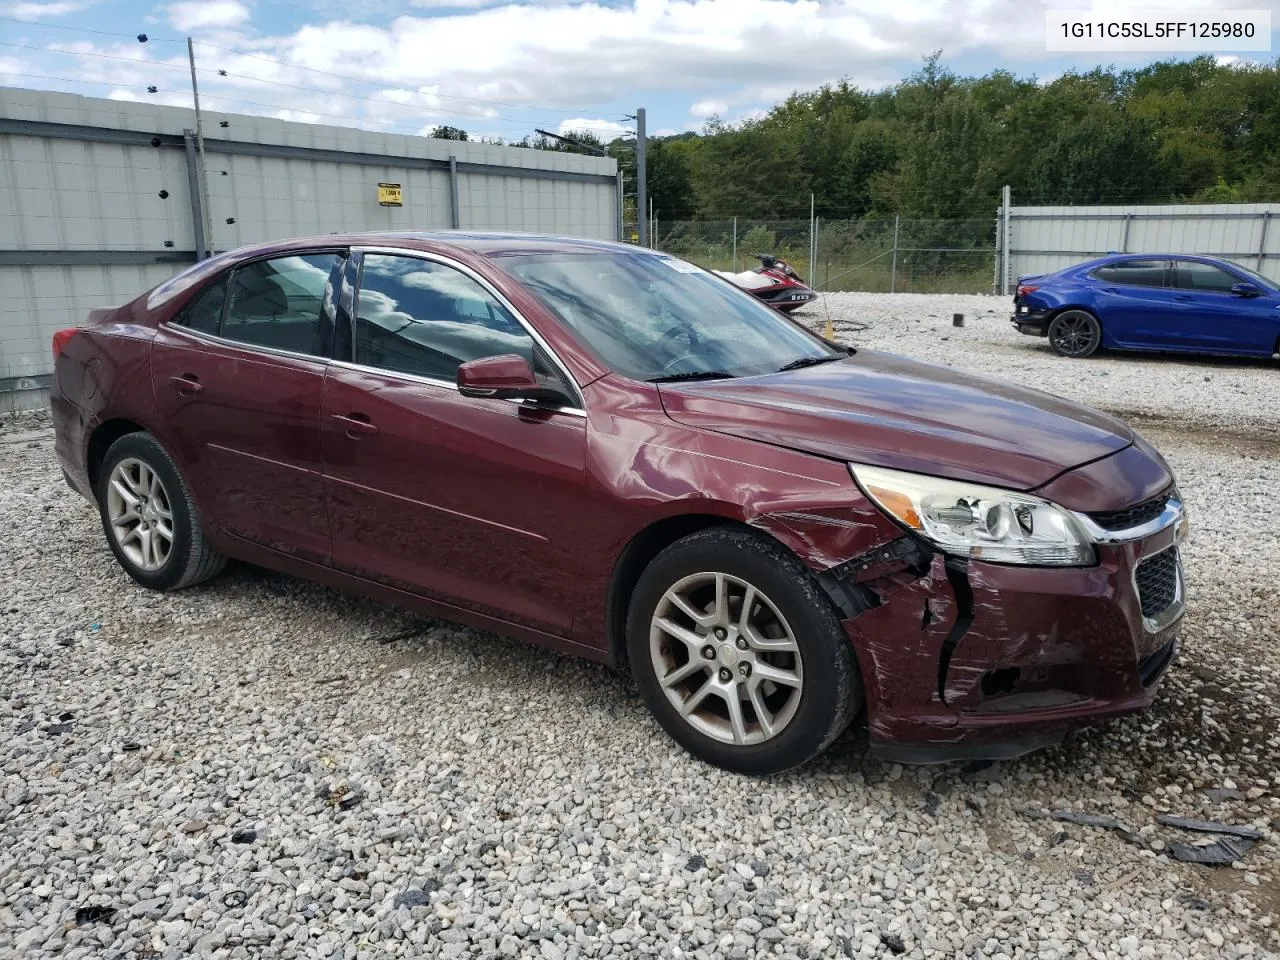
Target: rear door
[[238, 377], [1135, 302], [469, 500], [1214, 318]]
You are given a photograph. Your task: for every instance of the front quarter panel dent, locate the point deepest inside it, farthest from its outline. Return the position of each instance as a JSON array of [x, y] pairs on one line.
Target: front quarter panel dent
[[825, 538]]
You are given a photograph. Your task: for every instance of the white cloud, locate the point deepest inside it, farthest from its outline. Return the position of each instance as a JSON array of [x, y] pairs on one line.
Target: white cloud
[[566, 54], [41, 11], [606, 130], [709, 108], [207, 14], [508, 66]]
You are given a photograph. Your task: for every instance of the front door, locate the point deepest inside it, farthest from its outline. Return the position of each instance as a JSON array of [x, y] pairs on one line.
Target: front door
[[1213, 318], [466, 500], [238, 377]]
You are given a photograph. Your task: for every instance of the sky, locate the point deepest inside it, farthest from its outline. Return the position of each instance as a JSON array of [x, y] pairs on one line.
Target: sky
[[503, 68]]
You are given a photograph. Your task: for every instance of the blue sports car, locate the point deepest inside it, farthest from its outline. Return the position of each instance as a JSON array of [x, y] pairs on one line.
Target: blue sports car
[[1152, 302]]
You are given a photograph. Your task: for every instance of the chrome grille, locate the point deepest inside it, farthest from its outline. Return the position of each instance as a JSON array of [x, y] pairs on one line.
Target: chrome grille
[[1133, 516], [1157, 581]]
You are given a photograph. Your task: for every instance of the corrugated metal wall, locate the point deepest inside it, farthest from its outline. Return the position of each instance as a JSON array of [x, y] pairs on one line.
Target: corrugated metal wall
[[1044, 239], [83, 222]]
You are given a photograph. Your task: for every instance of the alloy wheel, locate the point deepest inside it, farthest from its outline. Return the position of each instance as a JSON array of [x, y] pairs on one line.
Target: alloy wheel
[[1075, 335], [726, 658], [140, 514]]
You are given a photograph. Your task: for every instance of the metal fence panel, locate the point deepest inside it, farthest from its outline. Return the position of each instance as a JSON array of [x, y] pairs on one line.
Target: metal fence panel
[[85, 223], [879, 255], [1045, 239]]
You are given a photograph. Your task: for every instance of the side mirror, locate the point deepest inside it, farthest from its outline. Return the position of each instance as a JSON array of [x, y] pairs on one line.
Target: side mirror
[[1245, 289], [505, 377]]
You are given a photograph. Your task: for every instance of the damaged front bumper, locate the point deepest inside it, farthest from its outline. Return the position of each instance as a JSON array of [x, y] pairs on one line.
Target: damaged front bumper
[[964, 659]]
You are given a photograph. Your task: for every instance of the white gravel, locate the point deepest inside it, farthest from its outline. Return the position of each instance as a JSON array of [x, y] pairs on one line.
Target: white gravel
[[263, 768], [1223, 392]]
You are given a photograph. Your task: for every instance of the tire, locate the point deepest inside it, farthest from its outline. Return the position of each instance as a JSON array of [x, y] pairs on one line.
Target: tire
[[1075, 333], [790, 612], [131, 465]]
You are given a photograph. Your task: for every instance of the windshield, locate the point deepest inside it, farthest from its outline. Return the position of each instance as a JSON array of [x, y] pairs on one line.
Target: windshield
[[653, 317]]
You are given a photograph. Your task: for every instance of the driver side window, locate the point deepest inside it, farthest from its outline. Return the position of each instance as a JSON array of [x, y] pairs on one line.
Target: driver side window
[[1205, 277], [424, 318], [427, 319]]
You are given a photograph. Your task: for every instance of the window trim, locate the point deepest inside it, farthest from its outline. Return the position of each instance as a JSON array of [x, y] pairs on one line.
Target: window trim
[[1169, 276], [1212, 266], [172, 324], [431, 257], [209, 284]]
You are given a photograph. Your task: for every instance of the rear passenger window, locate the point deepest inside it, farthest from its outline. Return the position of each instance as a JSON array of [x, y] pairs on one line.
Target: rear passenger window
[[277, 303], [1138, 273], [205, 311]]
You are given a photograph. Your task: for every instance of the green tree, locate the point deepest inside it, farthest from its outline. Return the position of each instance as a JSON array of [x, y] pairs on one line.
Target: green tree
[[446, 132]]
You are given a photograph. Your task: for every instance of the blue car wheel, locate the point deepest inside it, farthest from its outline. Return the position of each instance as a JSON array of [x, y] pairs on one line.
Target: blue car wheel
[[1075, 333]]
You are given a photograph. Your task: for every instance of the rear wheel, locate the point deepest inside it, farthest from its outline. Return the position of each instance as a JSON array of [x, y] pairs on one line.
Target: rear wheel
[[739, 654], [152, 524], [1075, 333]]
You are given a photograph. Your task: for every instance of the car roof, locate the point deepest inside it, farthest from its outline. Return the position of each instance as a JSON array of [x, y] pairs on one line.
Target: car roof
[[1118, 257], [484, 243], [1086, 265], [474, 242]]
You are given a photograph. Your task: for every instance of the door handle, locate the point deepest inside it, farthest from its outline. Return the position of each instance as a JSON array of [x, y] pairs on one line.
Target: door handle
[[357, 425], [187, 384], [1184, 298]]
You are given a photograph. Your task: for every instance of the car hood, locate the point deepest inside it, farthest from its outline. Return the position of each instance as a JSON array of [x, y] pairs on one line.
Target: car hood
[[890, 411]]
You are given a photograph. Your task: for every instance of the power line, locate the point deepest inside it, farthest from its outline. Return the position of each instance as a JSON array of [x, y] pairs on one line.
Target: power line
[[284, 63], [212, 96], [378, 83], [382, 102], [277, 83], [100, 33]]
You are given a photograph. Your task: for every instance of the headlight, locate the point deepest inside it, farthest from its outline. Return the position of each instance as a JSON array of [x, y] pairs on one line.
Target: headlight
[[985, 523]]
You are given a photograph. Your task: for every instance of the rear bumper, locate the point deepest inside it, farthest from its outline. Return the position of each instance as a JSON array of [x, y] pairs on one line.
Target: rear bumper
[[1034, 323], [71, 430], [981, 661]]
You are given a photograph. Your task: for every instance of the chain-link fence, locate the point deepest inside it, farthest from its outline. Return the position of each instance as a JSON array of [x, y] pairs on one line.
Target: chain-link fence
[[893, 254]]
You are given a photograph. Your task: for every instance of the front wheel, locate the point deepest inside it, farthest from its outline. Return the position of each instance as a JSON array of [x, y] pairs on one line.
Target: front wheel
[[739, 654], [1075, 333]]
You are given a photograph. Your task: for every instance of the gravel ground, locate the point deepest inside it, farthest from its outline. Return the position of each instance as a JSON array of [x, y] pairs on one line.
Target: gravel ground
[[262, 767]]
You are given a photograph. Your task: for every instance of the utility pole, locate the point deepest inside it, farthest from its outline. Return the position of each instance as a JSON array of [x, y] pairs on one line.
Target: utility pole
[[1005, 201], [204, 174], [893, 270], [813, 236], [642, 183]]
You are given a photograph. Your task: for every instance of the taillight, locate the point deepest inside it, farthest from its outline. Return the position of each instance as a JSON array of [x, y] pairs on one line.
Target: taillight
[[1026, 288], [60, 340]]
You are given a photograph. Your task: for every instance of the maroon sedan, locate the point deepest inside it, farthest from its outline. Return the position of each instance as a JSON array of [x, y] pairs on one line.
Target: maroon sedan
[[616, 454]]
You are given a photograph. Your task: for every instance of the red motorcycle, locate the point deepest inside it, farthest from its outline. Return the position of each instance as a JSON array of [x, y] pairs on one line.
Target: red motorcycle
[[774, 282]]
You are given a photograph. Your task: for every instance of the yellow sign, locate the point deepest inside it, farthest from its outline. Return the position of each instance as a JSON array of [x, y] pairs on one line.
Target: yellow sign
[[635, 238], [389, 195]]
